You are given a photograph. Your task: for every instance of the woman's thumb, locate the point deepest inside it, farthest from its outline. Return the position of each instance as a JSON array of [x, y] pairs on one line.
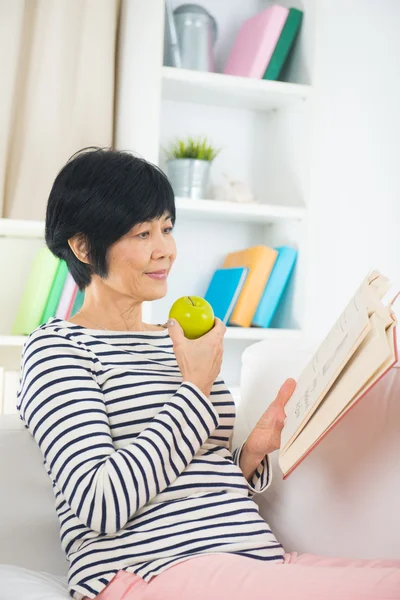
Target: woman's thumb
[[175, 330]]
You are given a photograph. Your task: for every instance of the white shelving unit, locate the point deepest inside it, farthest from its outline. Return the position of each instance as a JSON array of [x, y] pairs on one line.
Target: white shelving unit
[[262, 128], [217, 210], [217, 89]]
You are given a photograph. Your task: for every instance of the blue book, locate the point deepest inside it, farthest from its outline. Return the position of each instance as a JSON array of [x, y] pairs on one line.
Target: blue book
[[275, 286], [224, 290]]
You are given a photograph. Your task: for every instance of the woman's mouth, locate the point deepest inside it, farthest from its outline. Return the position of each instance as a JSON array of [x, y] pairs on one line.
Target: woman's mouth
[[160, 275]]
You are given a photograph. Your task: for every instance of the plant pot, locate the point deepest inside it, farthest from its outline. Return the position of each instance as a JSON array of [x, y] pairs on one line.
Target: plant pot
[[189, 177]]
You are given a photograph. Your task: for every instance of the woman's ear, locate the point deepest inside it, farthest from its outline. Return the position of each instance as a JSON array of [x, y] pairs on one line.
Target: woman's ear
[[78, 245]]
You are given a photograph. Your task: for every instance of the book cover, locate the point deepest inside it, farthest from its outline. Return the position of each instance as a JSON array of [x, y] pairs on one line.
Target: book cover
[[357, 352], [67, 297], [36, 292], [275, 287], [346, 410], [55, 292], [254, 44], [260, 261], [78, 302], [72, 302], [286, 40], [224, 289]]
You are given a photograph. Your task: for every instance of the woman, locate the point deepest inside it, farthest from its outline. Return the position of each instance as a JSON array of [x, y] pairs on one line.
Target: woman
[[135, 424]]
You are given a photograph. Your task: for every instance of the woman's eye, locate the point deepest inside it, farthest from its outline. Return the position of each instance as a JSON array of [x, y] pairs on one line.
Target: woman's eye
[[145, 233]]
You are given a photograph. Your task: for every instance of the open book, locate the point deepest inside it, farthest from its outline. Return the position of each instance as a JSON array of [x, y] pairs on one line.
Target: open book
[[357, 352]]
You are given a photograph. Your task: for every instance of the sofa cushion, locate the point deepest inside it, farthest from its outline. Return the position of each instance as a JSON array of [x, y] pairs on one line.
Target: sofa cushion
[[18, 583], [342, 500], [29, 530]]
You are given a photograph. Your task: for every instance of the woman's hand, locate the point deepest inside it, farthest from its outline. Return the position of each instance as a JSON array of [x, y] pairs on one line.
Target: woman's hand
[[199, 360], [266, 435]]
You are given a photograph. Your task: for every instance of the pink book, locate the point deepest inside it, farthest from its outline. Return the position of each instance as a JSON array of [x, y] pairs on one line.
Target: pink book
[[67, 296], [255, 43]]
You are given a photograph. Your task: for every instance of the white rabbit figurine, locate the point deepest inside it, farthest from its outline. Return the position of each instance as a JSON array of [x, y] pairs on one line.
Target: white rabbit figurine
[[233, 191]]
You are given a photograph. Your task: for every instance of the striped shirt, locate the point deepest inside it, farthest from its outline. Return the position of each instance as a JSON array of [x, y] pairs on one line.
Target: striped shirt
[[139, 460]]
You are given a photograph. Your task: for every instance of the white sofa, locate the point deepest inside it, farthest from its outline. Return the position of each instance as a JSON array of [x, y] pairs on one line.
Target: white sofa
[[342, 500]]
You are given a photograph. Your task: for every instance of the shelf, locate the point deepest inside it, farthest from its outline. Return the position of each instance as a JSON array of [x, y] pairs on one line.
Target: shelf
[[186, 207], [260, 333], [217, 89], [232, 333], [21, 229], [12, 341], [233, 211]]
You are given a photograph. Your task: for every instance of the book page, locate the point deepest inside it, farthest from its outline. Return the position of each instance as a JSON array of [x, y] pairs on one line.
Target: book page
[[341, 342], [375, 353]]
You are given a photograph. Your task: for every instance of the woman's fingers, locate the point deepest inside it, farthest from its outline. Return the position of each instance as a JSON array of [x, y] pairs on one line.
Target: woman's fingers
[[285, 392]]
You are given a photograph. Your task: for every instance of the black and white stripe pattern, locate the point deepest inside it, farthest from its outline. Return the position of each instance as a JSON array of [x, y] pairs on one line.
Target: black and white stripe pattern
[[140, 462]]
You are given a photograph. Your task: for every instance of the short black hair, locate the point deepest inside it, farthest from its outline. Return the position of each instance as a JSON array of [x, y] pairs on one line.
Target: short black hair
[[102, 193]]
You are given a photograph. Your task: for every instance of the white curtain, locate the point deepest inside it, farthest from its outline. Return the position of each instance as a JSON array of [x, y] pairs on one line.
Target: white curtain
[[57, 60]]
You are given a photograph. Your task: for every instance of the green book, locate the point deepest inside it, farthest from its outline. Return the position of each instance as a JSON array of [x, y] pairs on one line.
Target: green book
[[36, 292], [285, 42], [55, 292], [78, 302]]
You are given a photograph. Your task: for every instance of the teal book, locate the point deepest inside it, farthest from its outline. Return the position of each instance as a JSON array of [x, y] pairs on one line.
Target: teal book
[[284, 44], [78, 302], [275, 286], [224, 290], [55, 292]]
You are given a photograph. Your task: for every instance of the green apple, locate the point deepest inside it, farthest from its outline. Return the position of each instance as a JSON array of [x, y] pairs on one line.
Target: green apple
[[194, 314]]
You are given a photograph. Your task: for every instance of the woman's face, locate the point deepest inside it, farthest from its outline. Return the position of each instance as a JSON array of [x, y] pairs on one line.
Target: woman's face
[[147, 247]]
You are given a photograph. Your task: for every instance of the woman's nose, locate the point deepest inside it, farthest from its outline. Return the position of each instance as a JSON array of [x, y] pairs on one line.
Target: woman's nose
[[163, 246]]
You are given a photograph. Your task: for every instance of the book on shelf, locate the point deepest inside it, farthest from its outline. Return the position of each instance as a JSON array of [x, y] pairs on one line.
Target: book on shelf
[[248, 289], [259, 260], [255, 42], [275, 286], [36, 292], [224, 289], [55, 292], [357, 352], [50, 291], [284, 44], [78, 302], [67, 298]]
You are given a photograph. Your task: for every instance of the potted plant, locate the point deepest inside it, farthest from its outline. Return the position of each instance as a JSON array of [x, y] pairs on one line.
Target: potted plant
[[188, 166]]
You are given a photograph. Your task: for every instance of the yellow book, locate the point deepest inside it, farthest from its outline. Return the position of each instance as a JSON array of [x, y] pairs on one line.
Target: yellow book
[[260, 261]]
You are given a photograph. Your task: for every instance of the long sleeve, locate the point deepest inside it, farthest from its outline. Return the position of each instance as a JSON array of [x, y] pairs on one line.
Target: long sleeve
[[63, 406], [262, 476]]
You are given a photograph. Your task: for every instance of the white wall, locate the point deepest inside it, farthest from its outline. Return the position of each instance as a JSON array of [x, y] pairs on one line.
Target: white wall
[[355, 175]]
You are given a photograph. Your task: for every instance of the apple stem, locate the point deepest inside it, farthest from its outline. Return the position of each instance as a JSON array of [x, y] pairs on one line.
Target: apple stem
[[191, 300]]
